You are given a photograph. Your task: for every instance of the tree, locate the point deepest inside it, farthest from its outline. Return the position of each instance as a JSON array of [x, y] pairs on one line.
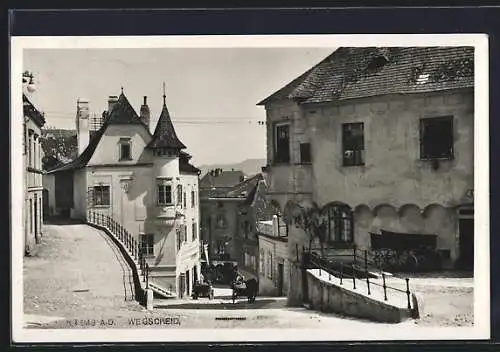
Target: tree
[[312, 222]]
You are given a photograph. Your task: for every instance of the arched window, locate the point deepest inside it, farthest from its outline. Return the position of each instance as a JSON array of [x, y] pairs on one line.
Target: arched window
[[339, 224]]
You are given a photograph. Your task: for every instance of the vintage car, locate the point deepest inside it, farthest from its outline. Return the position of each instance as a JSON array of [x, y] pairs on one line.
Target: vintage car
[[203, 289]]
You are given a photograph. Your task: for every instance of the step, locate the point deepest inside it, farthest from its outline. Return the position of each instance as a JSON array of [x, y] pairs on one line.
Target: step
[[161, 291], [379, 274]]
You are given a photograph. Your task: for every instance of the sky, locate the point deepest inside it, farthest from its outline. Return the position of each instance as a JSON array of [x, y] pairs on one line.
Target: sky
[[211, 93]]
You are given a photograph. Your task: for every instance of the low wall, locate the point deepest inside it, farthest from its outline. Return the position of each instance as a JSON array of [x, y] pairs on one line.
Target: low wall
[[139, 289], [329, 297]]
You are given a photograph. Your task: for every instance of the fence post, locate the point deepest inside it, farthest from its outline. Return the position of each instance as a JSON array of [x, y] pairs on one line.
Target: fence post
[[408, 292], [341, 272], [147, 276], [366, 260], [355, 255], [384, 286], [353, 277]]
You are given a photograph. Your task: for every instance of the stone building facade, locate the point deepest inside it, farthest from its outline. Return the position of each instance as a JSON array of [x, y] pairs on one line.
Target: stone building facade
[[274, 264], [144, 181], [382, 141], [33, 121]]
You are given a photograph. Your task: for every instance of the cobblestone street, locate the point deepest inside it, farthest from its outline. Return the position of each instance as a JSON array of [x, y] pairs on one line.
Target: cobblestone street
[[77, 279]]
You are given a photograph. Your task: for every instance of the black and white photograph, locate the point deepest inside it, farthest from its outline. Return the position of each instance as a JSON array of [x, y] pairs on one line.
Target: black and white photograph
[[267, 188]]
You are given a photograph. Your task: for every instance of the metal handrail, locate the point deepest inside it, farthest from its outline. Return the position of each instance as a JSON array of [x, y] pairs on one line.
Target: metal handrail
[[126, 238], [319, 262]]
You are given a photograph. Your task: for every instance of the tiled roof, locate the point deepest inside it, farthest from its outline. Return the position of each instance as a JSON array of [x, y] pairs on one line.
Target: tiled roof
[[165, 136], [351, 73], [30, 111], [122, 113], [224, 179], [242, 190], [185, 166], [122, 106]]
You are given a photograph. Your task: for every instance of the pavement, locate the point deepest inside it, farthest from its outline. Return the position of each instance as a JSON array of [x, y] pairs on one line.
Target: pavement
[[78, 279]]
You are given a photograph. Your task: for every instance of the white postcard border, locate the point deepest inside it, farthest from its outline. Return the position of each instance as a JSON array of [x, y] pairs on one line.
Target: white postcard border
[[481, 329]]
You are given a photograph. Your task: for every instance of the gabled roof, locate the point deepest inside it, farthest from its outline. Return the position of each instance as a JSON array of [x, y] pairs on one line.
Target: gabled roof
[[114, 117], [164, 135], [350, 73], [224, 179], [123, 113], [30, 111]]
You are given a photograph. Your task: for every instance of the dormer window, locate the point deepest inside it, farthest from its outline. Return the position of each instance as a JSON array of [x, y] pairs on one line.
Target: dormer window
[[125, 149]]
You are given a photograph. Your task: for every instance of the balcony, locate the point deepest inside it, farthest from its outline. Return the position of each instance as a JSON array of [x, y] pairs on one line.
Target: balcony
[[166, 215]]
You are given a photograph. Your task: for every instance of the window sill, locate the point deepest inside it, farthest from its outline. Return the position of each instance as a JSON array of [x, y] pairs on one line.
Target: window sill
[[357, 165], [437, 159]]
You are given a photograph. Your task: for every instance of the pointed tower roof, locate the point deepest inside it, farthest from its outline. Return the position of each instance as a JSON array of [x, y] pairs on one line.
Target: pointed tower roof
[[164, 135], [123, 112]]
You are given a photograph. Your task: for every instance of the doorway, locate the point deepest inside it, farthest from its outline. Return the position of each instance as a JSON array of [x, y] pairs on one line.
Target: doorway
[[188, 286], [35, 218], [280, 278], [466, 244]]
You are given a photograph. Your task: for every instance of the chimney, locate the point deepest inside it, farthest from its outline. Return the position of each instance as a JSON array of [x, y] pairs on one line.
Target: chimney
[[111, 102], [82, 124], [145, 112]]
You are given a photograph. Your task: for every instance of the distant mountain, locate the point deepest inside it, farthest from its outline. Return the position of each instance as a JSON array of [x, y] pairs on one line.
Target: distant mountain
[[249, 166]]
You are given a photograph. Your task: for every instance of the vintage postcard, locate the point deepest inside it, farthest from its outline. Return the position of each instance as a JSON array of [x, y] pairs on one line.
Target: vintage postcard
[[250, 188]]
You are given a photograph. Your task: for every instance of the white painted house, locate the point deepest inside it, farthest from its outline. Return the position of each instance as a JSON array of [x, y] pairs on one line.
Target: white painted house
[[144, 181]]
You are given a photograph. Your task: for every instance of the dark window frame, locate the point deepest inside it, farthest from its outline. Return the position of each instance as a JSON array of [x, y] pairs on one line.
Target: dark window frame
[[448, 151], [179, 195], [305, 153], [164, 190], [281, 156], [102, 195], [147, 243], [194, 230], [353, 152], [343, 226], [125, 142], [193, 199]]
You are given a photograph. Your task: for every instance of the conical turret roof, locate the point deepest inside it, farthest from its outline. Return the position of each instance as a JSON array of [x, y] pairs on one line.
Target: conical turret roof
[[164, 135]]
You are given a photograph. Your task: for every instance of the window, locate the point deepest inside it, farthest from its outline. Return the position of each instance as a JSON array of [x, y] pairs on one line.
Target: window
[[339, 225], [184, 200], [185, 233], [31, 216], [262, 268], [147, 243], [192, 199], [30, 149], [270, 265], [282, 143], [246, 228], [179, 195], [125, 149], [353, 144], [164, 194], [101, 195], [221, 221], [305, 153], [436, 138], [25, 145], [195, 231], [178, 234]]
